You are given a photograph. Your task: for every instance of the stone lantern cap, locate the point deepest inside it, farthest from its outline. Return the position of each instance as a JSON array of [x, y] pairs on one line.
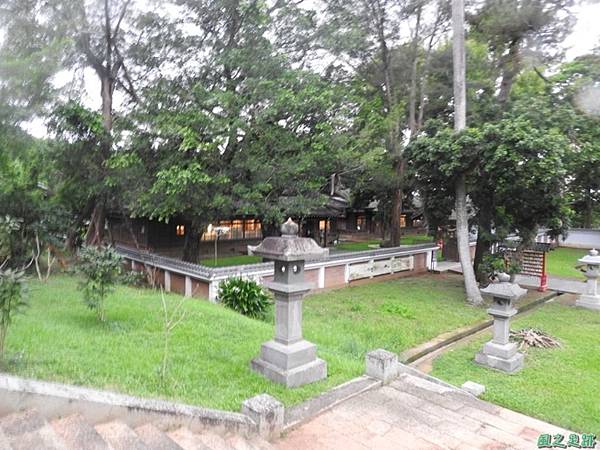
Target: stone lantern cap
[[505, 290], [290, 247], [591, 259]]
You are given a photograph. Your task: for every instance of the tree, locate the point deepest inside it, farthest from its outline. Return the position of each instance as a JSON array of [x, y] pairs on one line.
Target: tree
[[73, 35], [228, 135], [460, 122], [520, 32], [514, 174], [367, 35], [568, 95]]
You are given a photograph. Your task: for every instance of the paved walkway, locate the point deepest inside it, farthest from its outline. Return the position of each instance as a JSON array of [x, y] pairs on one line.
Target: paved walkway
[[415, 413], [554, 284], [445, 266]]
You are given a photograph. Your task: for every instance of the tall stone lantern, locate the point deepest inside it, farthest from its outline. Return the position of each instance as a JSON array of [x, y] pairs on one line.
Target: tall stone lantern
[[288, 358], [500, 353], [591, 298]]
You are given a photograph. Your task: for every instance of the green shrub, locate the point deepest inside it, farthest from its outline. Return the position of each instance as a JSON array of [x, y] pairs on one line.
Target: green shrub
[[134, 278], [101, 268], [244, 296], [12, 288]]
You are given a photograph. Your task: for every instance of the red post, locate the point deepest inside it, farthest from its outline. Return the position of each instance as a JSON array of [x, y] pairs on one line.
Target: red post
[[544, 278]]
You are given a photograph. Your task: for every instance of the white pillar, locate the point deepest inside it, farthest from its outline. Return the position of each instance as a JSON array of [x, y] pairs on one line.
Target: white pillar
[[392, 259], [133, 265], [321, 282], [167, 281], [213, 290], [347, 273], [188, 286]]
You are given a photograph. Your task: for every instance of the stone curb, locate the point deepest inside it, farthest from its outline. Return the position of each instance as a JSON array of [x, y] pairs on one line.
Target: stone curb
[[54, 400], [419, 352]]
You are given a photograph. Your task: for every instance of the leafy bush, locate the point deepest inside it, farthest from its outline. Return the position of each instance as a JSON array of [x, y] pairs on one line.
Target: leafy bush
[[244, 296], [101, 268], [8, 226], [12, 288], [134, 278], [507, 262]]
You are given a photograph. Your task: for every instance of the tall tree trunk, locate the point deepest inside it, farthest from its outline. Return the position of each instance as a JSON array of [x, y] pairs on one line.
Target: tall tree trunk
[[95, 231], [483, 248], [589, 210], [191, 243], [460, 122], [396, 213], [511, 67]]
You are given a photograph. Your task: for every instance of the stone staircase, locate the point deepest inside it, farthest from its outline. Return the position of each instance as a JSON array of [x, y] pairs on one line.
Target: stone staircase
[[29, 430], [417, 413]]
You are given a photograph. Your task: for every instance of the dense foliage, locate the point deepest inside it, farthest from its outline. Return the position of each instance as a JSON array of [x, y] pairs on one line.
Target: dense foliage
[[244, 296], [249, 108]]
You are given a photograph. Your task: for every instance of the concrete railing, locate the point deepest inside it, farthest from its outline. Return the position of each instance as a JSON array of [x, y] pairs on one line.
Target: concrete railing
[[339, 269]]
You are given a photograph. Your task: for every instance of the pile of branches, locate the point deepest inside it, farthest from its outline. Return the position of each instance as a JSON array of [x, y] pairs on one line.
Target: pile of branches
[[532, 337]]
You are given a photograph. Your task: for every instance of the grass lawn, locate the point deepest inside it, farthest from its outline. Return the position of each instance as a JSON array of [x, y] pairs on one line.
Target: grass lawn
[[415, 239], [560, 386], [409, 239], [561, 262], [236, 260], [59, 339], [358, 246]]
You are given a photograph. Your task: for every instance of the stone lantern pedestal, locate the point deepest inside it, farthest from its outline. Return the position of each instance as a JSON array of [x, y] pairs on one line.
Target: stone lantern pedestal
[[591, 298], [288, 358], [500, 353]]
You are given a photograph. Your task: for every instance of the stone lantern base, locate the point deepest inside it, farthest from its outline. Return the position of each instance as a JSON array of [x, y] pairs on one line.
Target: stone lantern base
[[589, 301], [293, 365], [500, 356]]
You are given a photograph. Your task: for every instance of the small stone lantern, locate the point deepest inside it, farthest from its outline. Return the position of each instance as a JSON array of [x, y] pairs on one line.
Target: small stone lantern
[[500, 353], [288, 358], [591, 298]]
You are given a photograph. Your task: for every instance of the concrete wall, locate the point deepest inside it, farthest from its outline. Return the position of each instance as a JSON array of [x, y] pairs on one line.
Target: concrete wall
[[335, 276], [177, 283], [581, 238]]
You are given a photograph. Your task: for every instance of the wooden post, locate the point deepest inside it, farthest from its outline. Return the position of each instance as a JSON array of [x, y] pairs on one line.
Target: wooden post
[[544, 277]]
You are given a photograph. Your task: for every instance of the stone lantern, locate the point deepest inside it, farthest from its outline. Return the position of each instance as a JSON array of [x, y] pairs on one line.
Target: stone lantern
[[288, 358], [591, 298], [500, 353]]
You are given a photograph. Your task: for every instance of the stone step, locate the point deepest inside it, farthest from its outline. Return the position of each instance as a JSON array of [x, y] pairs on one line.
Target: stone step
[[21, 422], [473, 417], [4, 444], [78, 434], [28, 430], [120, 437], [213, 441], [155, 439], [261, 443], [240, 443], [187, 440]]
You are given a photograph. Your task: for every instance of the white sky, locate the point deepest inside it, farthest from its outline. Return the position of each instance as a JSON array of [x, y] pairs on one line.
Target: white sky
[[585, 37]]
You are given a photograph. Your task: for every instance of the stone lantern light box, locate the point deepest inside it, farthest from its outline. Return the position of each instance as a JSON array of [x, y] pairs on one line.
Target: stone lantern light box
[[500, 353], [288, 358], [591, 298]]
